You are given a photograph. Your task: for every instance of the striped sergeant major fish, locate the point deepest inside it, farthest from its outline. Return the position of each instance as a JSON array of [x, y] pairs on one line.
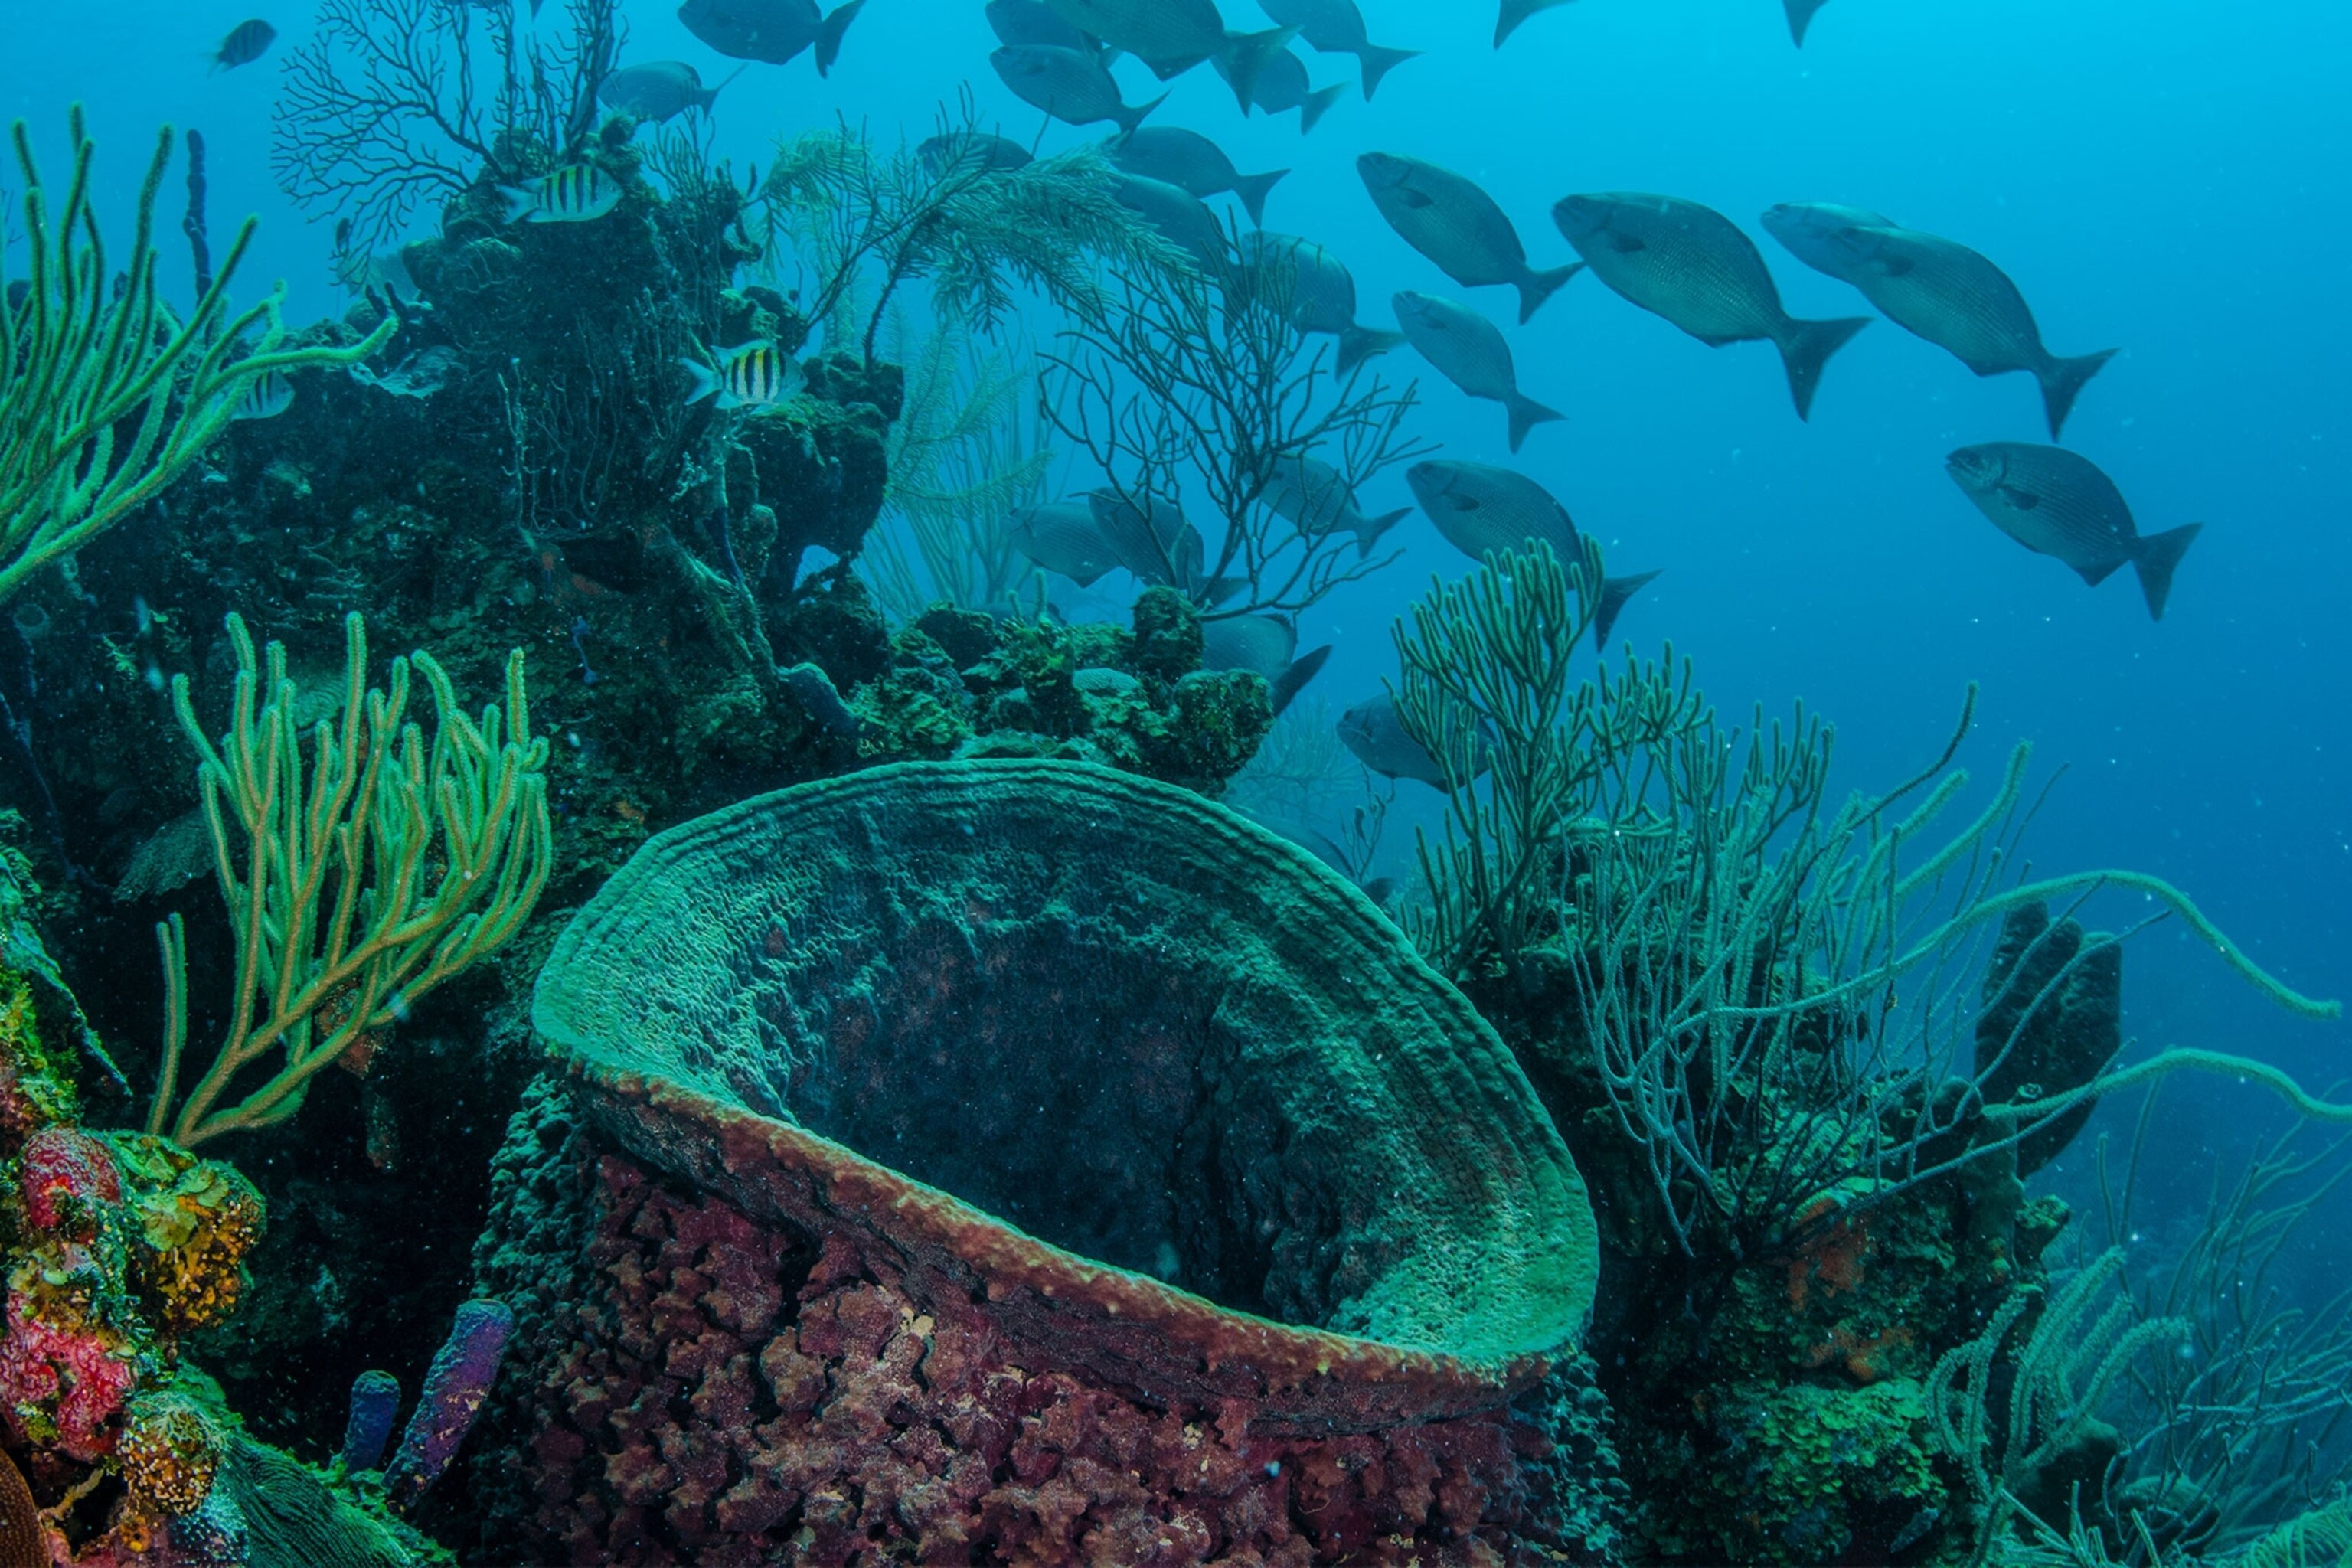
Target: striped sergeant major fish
[[269, 397], [756, 375], [577, 193]]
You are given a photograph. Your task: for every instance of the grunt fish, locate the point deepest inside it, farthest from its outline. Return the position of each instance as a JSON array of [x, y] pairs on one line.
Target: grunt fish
[[247, 42], [1458, 225], [2058, 504], [1479, 508], [1941, 291], [1265, 644], [774, 31], [265, 397], [1171, 37], [1062, 537], [1191, 162], [754, 375], [1468, 350], [1073, 88], [1313, 290], [1375, 732], [1154, 542], [1034, 22], [660, 89], [577, 193], [1181, 219], [1337, 28], [1693, 267], [990, 154], [1314, 498], [1283, 86]]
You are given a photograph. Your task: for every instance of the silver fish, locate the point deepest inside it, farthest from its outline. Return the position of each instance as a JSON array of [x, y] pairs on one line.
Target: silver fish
[[2056, 503], [1181, 219], [1191, 162], [247, 42], [987, 152], [1478, 508], [265, 397], [660, 89], [1458, 225], [1469, 351], [1314, 291], [1314, 498], [1171, 37], [1692, 265], [1265, 644], [1941, 291], [577, 193], [774, 31], [1375, 732], [1514, 12], [1062, 537], [1337, 28], [1283, 85], [1073, 88], [1824, 235], [1034, 22], [1154, 541]]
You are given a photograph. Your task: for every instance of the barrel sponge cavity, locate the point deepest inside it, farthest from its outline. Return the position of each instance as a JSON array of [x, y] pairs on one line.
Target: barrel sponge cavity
[[1039, 1018]]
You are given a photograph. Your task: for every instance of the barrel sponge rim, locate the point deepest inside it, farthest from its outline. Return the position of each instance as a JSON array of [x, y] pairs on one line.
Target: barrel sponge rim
[[1519, 1298]]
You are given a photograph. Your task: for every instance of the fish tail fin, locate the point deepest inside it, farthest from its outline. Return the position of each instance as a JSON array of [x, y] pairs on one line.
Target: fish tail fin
[[1378, 63], [1317, 104], [1525, 415], [1295, 675], [1538, 287], [1806, 347], [1253, 189], [2062, 382], [711, 94], [705, 380], [1614, 593], [1514, 12], [1131, 115], [1245, 56], [2160, 555], [1358, 344], [828, 36], [1800, 16], [518, 203], [1374, 527]]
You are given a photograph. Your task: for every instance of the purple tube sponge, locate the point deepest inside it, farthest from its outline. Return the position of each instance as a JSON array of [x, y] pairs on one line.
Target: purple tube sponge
[[375, 1400], [455, 1386]]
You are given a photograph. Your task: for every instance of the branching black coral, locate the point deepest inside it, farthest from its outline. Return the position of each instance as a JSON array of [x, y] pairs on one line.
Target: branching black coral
[[393, 104]]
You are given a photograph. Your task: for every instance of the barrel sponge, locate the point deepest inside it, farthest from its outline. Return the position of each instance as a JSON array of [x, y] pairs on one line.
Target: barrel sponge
[[1178, 1106]]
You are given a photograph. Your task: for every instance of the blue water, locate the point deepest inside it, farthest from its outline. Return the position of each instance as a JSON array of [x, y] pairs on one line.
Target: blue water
[[2155, 176]]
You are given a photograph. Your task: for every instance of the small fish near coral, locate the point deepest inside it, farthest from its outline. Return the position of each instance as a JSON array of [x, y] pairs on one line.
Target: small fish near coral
[[754, 375], [577, 193]]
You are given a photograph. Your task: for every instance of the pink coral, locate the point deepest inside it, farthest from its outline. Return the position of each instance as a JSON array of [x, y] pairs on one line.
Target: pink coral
[[63, 1379], [67, 1179], [703, 1411]]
